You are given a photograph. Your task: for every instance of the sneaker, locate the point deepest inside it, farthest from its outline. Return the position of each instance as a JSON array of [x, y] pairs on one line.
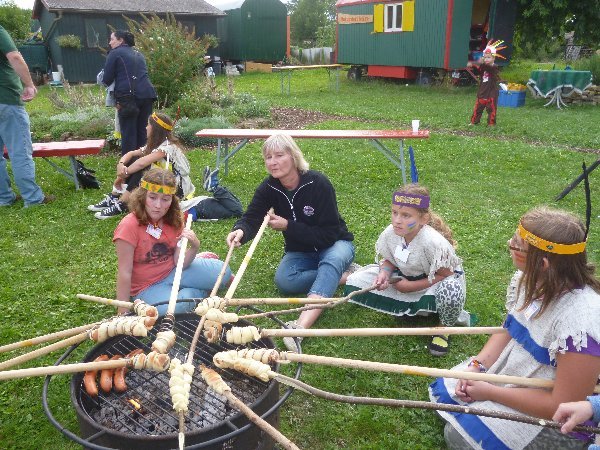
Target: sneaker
[[290, 342], [106, 202], [439, 345], [116, 209], [210, 180], [464, 319]]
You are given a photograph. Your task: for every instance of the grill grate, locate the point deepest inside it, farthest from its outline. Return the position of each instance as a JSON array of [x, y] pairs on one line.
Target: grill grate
[[151, 390]]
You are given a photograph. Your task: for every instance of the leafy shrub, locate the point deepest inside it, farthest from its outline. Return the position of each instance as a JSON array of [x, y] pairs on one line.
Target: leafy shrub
[[69, 41], [74, 97], [186, 129], [90, 122], [247, 106], [592, 64], [174, 56]]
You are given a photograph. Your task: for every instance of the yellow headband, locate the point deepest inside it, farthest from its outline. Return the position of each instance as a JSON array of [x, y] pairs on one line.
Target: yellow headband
[[158, 188], [551, 247], [162, 123]]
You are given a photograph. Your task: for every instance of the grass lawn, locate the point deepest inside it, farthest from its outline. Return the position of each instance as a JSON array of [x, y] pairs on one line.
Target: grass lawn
[[481, 181]]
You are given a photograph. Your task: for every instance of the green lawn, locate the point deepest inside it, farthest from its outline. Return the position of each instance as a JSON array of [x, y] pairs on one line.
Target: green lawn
[[481, 181]]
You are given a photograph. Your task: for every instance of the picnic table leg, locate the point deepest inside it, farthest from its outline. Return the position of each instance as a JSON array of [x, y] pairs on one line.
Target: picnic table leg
[[395, 160], [72, 175], [218, 153], [281, 78], [226, 157], [337, 79], [289, 81], [74, 169]]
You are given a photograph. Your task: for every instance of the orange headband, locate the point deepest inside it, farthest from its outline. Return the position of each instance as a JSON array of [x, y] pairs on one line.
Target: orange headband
[[161, 122], [551, 247]]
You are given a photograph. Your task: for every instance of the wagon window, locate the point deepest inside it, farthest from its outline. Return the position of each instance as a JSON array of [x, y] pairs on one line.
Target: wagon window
[[393, 17], [95, 33]]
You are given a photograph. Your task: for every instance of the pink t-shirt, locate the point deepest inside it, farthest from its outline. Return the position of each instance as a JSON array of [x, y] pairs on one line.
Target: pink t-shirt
[[153, 258]]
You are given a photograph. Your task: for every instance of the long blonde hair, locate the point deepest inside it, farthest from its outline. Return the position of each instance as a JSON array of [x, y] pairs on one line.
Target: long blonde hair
[[435, 221]]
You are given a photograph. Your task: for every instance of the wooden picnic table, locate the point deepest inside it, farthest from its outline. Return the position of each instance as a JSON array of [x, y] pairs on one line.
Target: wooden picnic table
[[290, 69], [373, 136]]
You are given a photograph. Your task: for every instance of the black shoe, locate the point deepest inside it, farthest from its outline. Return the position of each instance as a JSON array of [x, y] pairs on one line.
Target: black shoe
[[116, 209], [106, 202]]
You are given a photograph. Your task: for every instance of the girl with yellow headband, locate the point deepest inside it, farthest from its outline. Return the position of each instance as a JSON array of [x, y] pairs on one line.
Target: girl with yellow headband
[[162, 149], [552, 332], [146, 245]]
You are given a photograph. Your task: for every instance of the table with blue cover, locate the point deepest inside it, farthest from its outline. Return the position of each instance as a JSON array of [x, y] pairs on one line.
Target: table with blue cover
[[555, 84]]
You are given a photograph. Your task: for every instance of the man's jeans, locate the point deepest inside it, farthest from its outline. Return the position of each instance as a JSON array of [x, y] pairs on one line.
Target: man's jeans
[[14, 134]]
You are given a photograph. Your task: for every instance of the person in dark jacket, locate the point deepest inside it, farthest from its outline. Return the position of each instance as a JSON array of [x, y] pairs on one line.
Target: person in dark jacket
[[318, 245], [127, 68]]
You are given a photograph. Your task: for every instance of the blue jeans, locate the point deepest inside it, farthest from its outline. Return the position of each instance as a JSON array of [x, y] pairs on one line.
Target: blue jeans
[[14, 134], [197, 280], [315, 272]]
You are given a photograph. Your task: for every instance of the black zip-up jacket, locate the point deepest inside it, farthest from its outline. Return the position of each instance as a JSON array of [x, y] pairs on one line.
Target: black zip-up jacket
[[314, 222], [127, 68]]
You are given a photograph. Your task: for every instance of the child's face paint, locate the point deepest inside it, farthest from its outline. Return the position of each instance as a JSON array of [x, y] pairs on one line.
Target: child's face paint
[[518, 251], [407, 221]]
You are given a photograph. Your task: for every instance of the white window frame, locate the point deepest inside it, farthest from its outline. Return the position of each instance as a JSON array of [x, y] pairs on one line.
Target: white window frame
[[395, 8]]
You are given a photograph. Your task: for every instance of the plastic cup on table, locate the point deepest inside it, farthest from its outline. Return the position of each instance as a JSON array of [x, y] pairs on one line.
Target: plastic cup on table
[[415, 126]]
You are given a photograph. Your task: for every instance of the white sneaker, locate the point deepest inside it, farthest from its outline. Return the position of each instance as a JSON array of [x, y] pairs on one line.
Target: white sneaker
[[289, 342], [464, 319]]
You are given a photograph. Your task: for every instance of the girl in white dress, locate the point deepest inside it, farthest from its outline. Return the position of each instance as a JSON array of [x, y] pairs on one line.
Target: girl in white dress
[[417, 271]]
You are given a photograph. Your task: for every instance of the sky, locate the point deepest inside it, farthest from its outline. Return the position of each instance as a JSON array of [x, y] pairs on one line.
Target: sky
[[25, 4]]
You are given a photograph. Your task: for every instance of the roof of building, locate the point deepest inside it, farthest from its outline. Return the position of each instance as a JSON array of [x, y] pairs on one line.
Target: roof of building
[[190, 7]]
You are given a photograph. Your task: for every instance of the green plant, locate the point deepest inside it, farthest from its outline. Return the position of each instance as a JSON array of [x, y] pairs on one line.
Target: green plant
[[247, 106], [592, 64], [186, 129], [174, 55], [14, 20], [69, 41]]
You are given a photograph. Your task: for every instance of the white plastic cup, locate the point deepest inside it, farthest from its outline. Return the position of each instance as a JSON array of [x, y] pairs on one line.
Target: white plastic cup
[[415, 125]]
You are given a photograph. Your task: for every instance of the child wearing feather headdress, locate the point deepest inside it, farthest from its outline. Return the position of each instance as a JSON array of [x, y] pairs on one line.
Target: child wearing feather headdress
[[487, 94]]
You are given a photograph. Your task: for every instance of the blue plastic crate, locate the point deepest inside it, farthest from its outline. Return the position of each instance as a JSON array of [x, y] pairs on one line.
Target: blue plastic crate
[[511, 99]]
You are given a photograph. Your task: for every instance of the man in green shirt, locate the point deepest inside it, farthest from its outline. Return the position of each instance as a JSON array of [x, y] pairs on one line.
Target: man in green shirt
[[14, 127]]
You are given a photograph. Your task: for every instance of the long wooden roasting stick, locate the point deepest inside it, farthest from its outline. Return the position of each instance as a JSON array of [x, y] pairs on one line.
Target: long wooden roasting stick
[[44, 350], [153, 361], [181, 374], [216, 383], [255, 362], [244, 265], [106, 301], [165, 338], [46, 338], [418, 371]]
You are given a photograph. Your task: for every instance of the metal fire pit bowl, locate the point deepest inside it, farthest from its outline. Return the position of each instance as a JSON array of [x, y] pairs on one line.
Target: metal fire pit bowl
[[111, 420]]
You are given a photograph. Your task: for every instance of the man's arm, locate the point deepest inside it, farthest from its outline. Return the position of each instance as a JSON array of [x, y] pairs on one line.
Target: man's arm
[[15, 59]]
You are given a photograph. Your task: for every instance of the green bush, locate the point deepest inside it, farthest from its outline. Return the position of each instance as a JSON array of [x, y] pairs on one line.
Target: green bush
[[186, 129], [174, 56], [592, 64], [92, 122], [69, 41], [16, 21], [246, 106]]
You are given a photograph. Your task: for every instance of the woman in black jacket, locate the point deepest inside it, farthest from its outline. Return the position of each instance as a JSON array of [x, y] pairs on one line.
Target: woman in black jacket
[[127, 68], [318, 245]]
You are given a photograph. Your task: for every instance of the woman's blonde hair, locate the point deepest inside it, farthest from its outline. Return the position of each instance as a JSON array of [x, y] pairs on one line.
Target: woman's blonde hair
[[563, 273], [285, 142], [435, 221], [137, 200]]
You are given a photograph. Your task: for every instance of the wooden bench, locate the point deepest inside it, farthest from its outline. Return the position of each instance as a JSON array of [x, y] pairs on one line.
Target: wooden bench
[[290, 69], [373, 136], [71, 149]]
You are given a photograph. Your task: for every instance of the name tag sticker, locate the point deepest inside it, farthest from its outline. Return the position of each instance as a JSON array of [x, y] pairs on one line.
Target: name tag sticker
[[401, 253], [153, 231], [531, 310]]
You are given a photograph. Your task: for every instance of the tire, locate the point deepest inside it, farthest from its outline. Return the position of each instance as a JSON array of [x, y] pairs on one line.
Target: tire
[[354, 73]]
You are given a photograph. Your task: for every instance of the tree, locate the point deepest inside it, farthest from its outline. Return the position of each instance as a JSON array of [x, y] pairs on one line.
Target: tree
[[16, 21], [307, 17], [541, 21]]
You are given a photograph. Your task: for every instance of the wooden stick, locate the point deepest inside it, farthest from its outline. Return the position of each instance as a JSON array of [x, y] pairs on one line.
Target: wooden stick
[[260, 422], [429, 331], [179, 270], [46, 338], [242, 268], [44, 350], [419, 371], [399, 403], [106, 301], [223, 269], [64, 369]]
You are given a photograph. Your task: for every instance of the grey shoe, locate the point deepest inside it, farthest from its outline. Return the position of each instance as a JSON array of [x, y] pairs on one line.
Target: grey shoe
[[464, 319], [290, 342]]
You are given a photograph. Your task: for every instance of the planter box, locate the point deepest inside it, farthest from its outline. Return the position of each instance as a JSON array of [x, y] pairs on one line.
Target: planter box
[[511, 99]]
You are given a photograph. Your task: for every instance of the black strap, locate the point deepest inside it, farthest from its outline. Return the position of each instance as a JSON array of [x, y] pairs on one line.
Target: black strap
[[135, 58]]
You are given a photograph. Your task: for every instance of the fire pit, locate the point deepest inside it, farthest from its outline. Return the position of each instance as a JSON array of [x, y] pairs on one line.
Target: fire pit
[[142, 417]]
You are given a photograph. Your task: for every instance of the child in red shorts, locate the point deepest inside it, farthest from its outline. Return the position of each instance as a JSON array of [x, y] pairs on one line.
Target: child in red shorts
[[487, 94]]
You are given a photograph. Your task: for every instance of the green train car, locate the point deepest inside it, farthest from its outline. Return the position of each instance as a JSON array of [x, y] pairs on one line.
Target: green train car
[[253, 30], [419, 39]]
